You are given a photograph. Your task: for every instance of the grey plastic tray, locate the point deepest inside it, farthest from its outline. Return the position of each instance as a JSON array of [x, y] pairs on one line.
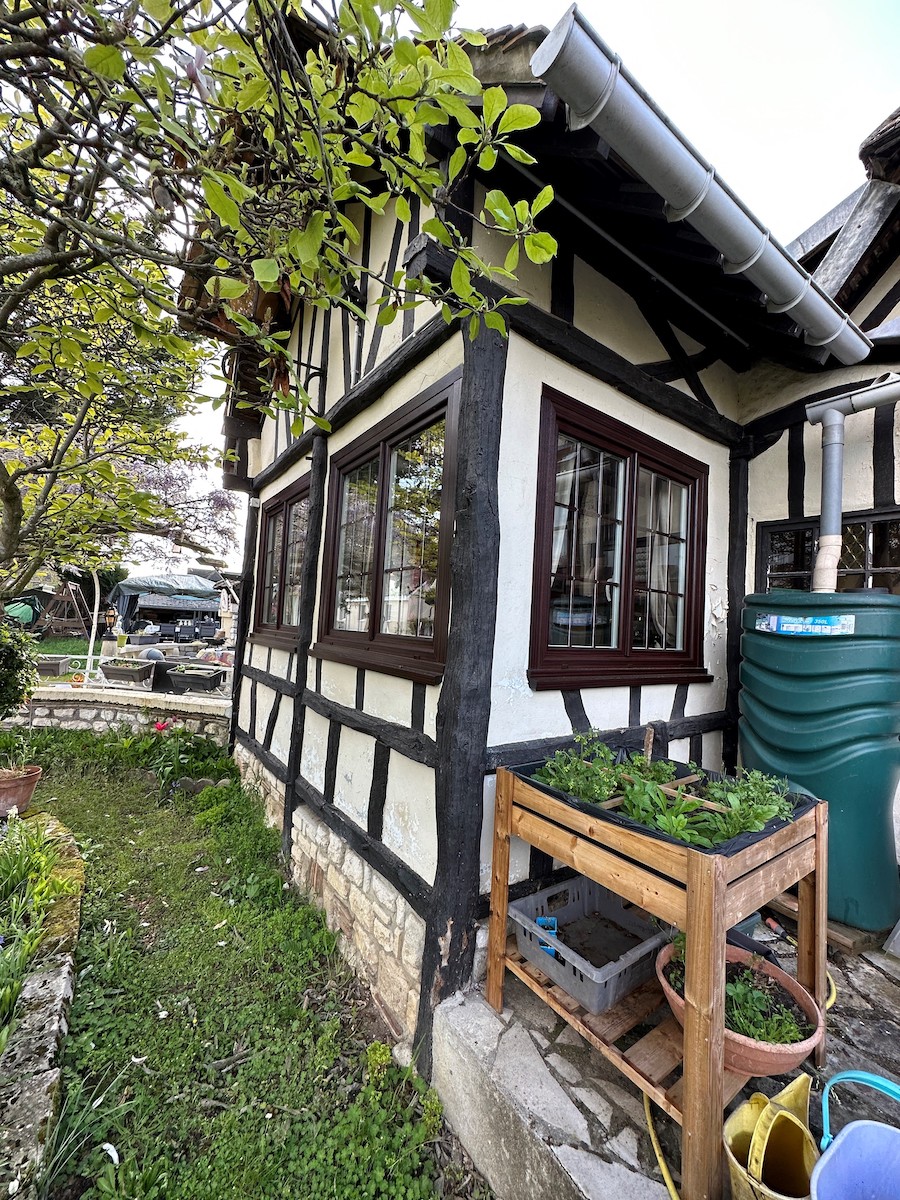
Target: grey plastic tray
[[620, 937]]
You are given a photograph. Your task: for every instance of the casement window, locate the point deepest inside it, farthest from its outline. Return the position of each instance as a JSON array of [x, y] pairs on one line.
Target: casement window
[[870, 555], [386, 581], [282, 539], [619, 554]]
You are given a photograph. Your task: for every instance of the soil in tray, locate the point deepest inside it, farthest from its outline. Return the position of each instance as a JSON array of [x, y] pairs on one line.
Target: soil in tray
[[598, 939]]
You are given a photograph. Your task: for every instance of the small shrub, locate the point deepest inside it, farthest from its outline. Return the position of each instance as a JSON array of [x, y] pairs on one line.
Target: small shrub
[[18, 667]]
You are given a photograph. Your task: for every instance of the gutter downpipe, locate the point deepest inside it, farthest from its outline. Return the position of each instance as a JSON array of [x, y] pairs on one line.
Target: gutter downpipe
[[831, 414], [601, 93]]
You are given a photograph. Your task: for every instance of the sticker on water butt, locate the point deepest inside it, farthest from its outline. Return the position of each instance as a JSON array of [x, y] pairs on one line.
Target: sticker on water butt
[[833, 625]]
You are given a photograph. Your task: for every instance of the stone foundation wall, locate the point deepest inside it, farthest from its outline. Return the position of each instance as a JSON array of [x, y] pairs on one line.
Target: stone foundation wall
[[100, 709], [381, 937]]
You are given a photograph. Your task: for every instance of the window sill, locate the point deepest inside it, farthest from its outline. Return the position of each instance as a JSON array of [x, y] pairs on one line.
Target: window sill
[[276, 638], [417, 670], [573, 676]]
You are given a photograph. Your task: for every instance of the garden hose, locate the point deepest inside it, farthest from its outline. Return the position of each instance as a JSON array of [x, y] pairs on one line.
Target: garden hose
[[781, 932], [663, 1165]]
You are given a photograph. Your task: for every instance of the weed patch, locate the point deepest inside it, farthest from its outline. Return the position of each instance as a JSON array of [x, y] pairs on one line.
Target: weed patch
[[238, 1042]]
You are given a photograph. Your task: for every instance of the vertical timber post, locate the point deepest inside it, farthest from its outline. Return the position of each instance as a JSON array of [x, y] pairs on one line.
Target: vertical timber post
[[309, 570], [465, 702], [243, 614]]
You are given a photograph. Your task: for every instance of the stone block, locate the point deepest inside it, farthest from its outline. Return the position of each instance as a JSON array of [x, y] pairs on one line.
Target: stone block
[[384, 915], [88, 714], [336, 846], [413, 942], [43, 722], [392, 988], [338, 881], [42, 711], [597, 1179], [26, 1109], [109, 715], [65, 714], [385, 936], [384, 893], [353, 867], [361, 907]]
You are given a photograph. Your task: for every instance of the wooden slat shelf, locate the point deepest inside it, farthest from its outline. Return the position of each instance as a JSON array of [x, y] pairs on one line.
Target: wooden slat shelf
[[703, 894]]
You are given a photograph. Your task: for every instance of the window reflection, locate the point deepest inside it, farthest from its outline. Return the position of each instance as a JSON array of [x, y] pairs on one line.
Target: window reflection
[[356, 547]]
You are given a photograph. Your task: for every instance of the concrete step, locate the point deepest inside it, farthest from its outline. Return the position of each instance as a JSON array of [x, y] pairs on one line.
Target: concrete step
[[542, 1114]]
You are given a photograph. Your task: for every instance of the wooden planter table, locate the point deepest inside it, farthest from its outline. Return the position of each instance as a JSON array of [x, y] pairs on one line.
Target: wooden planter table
[[702, 894]]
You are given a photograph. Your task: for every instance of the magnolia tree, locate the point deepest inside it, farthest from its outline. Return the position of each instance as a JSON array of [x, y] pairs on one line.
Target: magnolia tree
[[241, 138]]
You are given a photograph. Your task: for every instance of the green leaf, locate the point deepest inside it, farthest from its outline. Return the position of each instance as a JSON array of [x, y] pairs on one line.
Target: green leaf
[[487, 158], [221, 203], [305, 245], [494, 101], [518, 116], [541, 200], [520, 155], [461, 280], [387, 315], [403, 210], [227, 289], [457, 162], [159, 10], [500, 209], [474, 37], [106, 61], [512, 258], [438, 231], [266, 270], [251, 94], [493, 320], [540, 247]]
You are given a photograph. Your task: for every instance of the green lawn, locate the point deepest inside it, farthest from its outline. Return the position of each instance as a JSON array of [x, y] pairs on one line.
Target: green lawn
[[75, 646], [212, 1005]]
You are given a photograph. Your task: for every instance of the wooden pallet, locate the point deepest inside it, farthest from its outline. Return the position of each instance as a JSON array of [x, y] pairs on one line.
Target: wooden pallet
[[843, 937], [652, 1061]]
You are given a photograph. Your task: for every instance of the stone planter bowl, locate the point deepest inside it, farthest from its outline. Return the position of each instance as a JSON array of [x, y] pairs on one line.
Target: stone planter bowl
[[745, 1055]]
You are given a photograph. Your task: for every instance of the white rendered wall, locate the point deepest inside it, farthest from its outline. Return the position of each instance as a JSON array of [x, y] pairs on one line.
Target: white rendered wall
[[518, 713]]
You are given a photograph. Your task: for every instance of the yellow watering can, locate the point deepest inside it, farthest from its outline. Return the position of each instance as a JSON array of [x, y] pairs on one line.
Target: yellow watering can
[[771, 1152]]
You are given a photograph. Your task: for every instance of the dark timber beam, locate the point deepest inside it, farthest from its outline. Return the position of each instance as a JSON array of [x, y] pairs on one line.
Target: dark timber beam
[[243, 618], [369, 389], [738, 507], [465, 703], [566, 342], [309, 570]]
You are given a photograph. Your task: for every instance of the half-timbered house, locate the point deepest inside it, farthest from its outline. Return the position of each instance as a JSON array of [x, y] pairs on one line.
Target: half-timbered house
[[502, 541]]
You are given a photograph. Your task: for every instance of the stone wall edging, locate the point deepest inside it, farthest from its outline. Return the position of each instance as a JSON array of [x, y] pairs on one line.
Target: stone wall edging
[[382, 938], [29, 1074], [100, 709]]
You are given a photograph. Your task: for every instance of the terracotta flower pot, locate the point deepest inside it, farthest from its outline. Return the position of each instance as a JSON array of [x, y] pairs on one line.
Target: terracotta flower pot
[[17, 789], [743, 1054]]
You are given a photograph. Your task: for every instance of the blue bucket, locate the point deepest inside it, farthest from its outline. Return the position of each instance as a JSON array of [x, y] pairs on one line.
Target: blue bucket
[[863, 1161]]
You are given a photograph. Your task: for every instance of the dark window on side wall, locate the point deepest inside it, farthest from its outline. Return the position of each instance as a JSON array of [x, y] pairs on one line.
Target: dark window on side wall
[[386, 572], [282, 540], [619, 554], [870, 555]]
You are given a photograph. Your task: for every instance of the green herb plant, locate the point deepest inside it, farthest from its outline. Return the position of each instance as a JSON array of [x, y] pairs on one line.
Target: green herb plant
[[18, 667], [744, 804]]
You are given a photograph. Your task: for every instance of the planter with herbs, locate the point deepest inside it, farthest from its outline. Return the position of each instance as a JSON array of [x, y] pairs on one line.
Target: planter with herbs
[[699, 854], [675, 802], [126, 670], [196, 678]]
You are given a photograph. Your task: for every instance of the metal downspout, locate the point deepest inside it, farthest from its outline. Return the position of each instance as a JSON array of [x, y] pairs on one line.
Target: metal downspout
[[600, 92], [831, 414]]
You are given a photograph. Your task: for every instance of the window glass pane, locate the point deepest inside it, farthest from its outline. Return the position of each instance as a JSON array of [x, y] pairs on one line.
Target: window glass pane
[[274, 533], [790, 583], [660, 563], [413, 528], [886, 543], [298, 515], [853, 550], [586, 553], [356, 545]]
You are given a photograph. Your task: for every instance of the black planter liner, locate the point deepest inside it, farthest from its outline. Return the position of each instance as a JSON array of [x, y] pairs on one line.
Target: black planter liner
[[195, 681], [803, 802]]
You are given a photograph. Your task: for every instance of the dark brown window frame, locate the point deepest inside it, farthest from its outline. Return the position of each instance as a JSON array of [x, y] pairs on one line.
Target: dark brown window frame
[[421, 660], [565, 667], [765, 529], [280, 634]]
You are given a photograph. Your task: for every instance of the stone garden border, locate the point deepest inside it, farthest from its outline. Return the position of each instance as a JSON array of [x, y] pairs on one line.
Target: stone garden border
[[29, 1067]]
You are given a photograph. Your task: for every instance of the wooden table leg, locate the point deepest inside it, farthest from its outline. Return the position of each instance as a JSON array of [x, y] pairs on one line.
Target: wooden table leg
[[812, 925], [704, 1028], [496, 959]]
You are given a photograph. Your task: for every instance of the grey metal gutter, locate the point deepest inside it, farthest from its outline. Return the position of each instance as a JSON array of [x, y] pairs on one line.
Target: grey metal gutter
[[600, 92]]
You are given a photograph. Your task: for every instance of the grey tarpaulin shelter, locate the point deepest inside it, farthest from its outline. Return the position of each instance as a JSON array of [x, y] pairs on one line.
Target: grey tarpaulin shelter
[[126, 596]]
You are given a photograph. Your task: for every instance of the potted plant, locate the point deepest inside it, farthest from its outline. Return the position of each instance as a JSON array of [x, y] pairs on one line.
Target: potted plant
[[53, 664], [18, 778], [196, 678], [771, 1023], [128, 670]]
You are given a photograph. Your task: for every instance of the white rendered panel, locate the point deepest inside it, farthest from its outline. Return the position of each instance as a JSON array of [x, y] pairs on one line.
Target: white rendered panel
[[353, 780], [315, 748], [607, 313], [410, 826]]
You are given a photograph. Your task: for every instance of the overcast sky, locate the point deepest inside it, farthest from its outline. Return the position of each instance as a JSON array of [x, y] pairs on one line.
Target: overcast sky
[[776, 94]]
